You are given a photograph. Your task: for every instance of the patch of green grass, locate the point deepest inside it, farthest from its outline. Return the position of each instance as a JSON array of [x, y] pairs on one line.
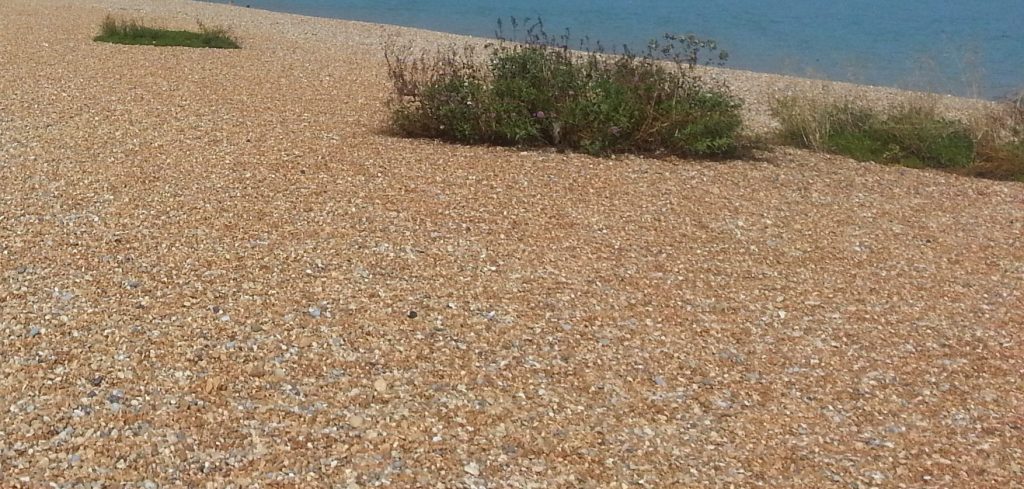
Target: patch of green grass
[[134, 32], [910, 135], [541, 93]]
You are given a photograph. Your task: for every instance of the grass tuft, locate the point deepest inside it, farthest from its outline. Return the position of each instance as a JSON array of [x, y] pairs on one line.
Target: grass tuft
[[913, 135], [1001, 143], [133, 32], [539, 92]]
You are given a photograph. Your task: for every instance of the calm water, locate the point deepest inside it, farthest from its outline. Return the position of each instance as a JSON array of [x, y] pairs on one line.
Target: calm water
[[938, 45]]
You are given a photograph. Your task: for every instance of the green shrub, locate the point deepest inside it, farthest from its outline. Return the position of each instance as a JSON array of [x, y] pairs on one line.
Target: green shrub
[[134, 32], [540, 93]]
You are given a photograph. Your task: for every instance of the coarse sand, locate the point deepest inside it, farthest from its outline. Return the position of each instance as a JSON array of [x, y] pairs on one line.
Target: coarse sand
[[218, 270]]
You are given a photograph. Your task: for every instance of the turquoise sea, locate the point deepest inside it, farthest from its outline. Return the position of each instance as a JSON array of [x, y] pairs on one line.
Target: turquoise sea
[[965, 48]]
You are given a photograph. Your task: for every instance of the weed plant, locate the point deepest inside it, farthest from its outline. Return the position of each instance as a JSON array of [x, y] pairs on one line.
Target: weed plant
[[122, 31], [538, 92]]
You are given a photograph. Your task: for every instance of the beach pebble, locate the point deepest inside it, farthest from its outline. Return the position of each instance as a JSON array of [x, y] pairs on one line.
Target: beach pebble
[[116, 395]]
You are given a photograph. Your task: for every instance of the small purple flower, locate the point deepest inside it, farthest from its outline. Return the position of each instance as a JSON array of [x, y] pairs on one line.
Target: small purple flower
[[540, 114]]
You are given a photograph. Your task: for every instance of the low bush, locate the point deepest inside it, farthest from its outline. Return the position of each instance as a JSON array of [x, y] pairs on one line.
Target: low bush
[[133, 32], [541, 93]]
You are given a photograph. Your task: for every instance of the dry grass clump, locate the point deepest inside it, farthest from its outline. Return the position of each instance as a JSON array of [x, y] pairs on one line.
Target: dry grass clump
[[913, 134], [1000, 138]]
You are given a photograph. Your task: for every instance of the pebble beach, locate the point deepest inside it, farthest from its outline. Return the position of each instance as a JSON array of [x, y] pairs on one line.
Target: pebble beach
[[218, 269]]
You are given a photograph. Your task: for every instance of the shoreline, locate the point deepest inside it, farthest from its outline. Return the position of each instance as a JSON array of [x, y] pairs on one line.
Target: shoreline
[[896, 81], [756, 89]]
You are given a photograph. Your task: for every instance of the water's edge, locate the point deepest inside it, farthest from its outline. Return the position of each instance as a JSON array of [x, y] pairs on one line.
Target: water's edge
[[927, 46]]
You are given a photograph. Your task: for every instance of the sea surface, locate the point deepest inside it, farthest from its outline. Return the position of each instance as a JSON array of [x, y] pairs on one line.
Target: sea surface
[[973, 48]]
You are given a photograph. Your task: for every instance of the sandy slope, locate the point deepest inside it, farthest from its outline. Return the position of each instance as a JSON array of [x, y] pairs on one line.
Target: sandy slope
[[208, 261]]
